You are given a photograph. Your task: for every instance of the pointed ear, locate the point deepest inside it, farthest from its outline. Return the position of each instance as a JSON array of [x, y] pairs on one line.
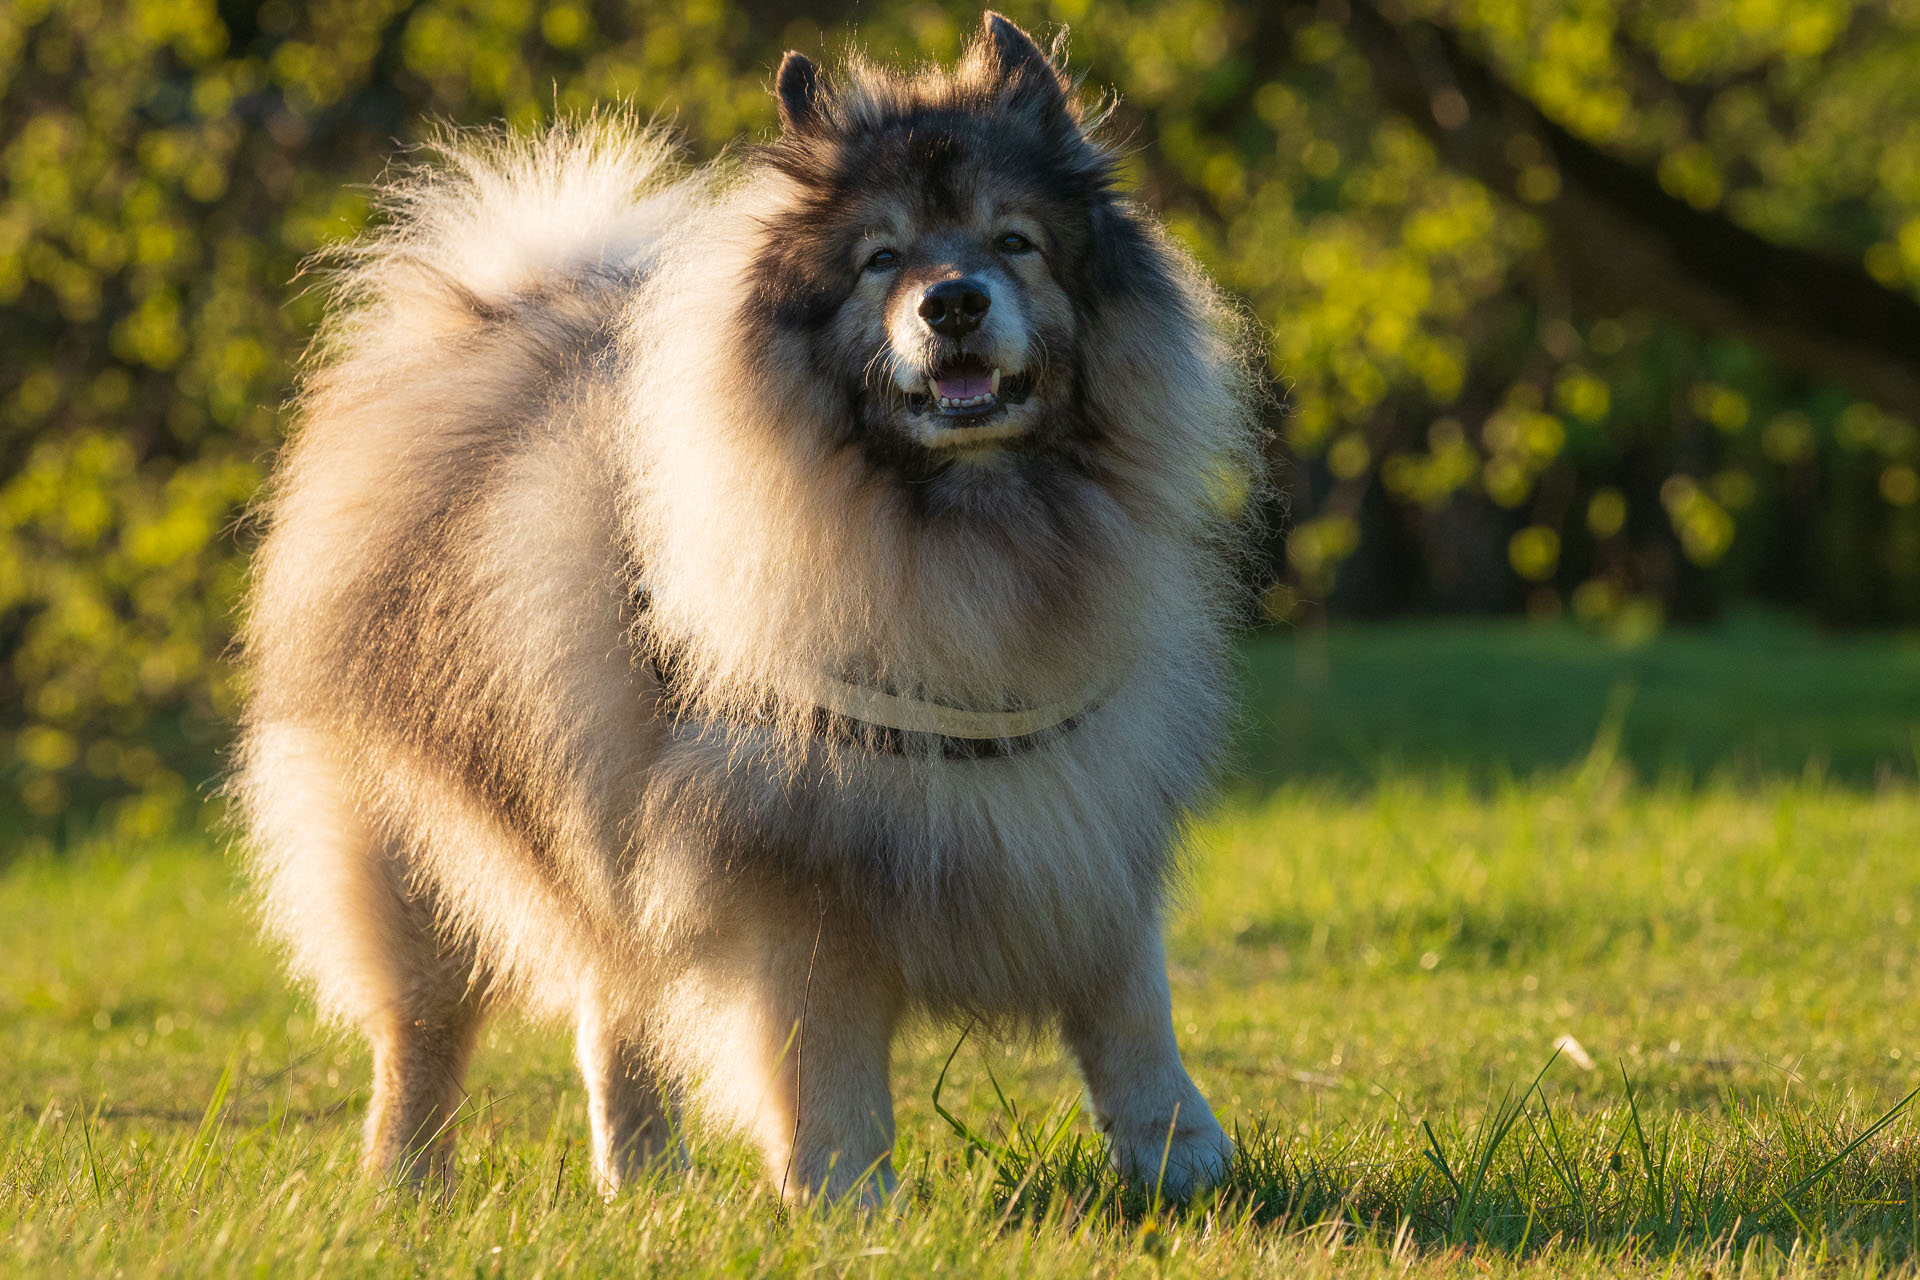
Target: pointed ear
[[1013, 49], [797, 88], [1015, 58]]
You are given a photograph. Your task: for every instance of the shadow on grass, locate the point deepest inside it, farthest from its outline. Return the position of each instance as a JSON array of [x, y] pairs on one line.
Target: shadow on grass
[[1755, 698], [1490, 936], [1524, 1176]]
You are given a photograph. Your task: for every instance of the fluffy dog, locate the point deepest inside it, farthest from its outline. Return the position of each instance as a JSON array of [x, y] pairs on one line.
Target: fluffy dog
[[737, 610]]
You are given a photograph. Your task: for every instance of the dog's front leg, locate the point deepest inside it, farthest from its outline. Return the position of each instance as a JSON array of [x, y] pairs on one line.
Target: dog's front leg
[[1142, 1097], [825, 1121]]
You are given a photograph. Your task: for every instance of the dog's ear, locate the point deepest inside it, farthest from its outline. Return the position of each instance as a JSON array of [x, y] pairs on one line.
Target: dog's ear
[[1015, 59], [798, 88], [1014, 51]]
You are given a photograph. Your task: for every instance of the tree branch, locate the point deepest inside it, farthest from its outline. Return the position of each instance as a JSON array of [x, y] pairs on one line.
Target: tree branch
[[1622, 240]]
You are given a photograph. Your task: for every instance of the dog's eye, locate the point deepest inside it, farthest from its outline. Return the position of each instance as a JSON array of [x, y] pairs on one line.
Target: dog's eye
[[882, 260], [1014, 242]]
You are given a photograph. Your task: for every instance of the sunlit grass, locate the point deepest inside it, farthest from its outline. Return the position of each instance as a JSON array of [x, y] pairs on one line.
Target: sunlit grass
[[1571, 1015]]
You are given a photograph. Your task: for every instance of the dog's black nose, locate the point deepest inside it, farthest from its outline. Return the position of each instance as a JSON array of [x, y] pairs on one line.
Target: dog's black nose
[[954, 307]]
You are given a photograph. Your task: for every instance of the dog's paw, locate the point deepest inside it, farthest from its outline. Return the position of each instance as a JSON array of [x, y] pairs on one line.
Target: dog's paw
[[1196, 1154]]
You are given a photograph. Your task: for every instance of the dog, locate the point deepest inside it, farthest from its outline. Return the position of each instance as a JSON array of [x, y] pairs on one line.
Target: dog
[[736, 610]]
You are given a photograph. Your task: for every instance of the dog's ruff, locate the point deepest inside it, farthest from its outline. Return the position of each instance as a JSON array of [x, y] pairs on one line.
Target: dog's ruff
[[619, 648]]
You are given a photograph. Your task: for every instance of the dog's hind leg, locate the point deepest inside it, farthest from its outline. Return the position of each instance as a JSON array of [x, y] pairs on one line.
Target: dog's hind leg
[[338, 892], [423, 1028], [421, 1043], [628, 1105]]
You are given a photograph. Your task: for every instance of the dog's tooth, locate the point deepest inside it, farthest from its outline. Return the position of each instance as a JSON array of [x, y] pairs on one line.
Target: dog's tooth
[[995, 382]]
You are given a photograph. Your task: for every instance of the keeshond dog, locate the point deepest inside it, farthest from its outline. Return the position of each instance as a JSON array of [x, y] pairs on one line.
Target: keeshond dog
[[738, 610]]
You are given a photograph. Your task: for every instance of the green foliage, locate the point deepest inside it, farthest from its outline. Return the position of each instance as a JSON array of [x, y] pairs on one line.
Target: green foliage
[[167, 168], [1460, 436], [1441, 373]]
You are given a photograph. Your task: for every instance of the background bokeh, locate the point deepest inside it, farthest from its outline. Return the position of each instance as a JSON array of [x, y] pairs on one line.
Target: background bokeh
[[1600, 309]]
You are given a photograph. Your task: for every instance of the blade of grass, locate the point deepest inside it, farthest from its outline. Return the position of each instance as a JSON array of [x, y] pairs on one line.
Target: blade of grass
[[200, 1149], [1789, 1198]]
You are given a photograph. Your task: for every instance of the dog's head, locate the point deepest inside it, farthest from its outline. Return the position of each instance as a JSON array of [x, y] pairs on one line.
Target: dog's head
[[938, 244]]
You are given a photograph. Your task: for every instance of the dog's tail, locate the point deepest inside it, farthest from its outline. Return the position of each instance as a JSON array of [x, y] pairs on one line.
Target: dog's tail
[[492, 222], [481, 305]]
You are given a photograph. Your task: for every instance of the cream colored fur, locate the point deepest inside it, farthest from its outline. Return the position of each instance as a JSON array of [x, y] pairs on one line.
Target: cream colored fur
[[460, 789]]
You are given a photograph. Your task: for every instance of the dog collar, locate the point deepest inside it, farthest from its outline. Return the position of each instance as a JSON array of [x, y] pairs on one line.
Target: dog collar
[[889, 723]]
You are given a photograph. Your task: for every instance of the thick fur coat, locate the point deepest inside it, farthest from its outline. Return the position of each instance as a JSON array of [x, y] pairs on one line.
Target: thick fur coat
[[607, 476]]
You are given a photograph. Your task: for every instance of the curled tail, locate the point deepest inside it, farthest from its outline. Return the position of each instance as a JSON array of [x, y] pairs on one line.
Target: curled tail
[[463, 329], [492, 221]]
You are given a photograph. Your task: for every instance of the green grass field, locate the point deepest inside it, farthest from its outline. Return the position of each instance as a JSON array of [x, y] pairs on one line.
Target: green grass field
[[1449, 849]]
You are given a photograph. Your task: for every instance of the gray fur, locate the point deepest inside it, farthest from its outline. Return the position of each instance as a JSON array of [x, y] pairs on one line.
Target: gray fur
[[536, 404]]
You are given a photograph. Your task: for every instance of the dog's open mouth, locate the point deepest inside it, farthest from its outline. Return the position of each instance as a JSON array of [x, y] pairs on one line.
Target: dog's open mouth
[[969, 388]]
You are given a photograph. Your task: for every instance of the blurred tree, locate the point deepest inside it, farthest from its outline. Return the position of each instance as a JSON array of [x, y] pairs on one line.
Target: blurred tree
[[1703, 325], [1601, 305]]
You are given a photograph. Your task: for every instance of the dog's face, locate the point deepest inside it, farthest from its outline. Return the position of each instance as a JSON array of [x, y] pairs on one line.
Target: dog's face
[[933, 260], [959, 308]]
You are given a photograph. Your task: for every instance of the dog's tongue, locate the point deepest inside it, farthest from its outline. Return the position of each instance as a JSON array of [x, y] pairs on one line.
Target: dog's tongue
[[962, 384]]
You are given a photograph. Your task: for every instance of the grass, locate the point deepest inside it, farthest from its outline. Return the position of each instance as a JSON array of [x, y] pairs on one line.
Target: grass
[[1510, 953]]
